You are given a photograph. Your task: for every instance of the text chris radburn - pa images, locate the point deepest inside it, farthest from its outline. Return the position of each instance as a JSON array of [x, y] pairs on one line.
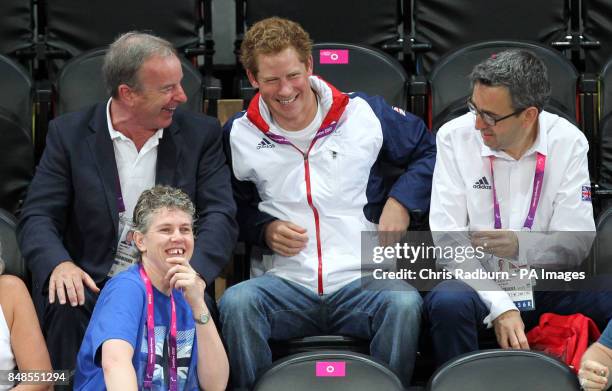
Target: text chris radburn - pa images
[[459, 255]]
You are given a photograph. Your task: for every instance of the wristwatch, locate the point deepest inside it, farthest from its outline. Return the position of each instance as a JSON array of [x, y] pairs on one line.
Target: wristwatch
[[203, 318]]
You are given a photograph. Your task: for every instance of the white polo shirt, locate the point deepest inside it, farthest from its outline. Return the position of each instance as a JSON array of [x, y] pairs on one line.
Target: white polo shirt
[[136, 168], [462, 198]]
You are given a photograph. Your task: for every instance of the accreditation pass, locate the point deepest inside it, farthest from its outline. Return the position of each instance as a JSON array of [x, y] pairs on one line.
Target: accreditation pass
[[519, 289]]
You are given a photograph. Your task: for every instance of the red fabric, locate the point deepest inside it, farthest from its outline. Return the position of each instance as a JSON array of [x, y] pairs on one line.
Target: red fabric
[[566, 337]]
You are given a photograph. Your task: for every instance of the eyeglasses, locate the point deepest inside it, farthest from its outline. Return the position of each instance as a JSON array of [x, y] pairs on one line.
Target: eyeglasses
[[488, 118]]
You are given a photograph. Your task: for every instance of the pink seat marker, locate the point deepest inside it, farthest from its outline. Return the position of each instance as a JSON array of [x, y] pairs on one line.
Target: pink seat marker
[[330, 56], [331, 369]]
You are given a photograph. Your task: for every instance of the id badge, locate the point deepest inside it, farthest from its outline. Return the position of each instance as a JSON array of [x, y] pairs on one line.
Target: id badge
[[127, 252], [518, 287]]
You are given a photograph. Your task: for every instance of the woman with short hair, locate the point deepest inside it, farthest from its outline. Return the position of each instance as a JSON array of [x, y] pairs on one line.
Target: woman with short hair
[[150, 328]]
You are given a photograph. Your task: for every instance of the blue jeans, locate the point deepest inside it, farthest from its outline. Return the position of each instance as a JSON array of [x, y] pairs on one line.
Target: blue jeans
[[269, 307]]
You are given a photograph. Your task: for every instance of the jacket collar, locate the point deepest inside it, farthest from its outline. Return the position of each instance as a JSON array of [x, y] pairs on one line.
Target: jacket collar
[[333, 101]]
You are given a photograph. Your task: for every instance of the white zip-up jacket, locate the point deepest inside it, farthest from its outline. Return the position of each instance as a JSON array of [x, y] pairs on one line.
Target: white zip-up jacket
[[336, 190]]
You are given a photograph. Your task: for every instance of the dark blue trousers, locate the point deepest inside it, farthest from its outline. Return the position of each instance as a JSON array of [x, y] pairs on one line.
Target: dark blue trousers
[[455, 313]]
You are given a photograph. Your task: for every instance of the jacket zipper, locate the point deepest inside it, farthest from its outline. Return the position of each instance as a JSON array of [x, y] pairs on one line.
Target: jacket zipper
[[316, 217]]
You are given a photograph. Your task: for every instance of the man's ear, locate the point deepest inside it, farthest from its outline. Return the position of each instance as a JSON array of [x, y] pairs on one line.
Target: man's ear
[[531, 115], [309, 65], [139, 241], [125, 93], [252, 79]]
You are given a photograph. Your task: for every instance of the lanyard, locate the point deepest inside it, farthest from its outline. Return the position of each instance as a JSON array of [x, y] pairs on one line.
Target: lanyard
[[119, 195], [538, 178], [148, 380], [323, 131]]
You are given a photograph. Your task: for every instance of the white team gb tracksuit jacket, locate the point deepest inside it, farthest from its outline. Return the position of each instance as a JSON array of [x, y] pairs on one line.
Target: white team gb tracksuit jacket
[[335, 191]]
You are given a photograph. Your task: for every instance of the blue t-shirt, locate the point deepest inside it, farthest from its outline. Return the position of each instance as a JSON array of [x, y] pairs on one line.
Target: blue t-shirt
[[120, 313], [606, 336]]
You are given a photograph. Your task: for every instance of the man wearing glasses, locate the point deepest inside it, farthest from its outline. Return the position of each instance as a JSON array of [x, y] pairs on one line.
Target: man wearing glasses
[[509, 166]]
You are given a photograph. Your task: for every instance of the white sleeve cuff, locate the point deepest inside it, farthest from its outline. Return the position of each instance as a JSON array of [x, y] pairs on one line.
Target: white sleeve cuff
[[498, 302]]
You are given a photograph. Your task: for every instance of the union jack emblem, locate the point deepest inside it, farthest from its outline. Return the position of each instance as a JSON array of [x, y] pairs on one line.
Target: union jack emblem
[[402, 112], [586, 193]]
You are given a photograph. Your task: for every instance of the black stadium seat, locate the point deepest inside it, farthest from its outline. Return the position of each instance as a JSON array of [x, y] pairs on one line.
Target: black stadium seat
[[16, 26], [351, 67], [16, 148], [450, 86], [17, 91], [10, 254], [16, 161], [504, 370], [303, 372], [597, 22], [374, 23], [86, 70], [76, 26], [448, 24], [604, 150], [602, 248]]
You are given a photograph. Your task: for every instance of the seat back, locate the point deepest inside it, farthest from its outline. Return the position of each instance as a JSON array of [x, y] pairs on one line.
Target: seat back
[[16, 161], [17, 91], [86, 69], [10, 254], [604, 152], [503, 370], [448, 24], [16, 148], [373, 23], [76, 26], [351, 67], [597, 25], [450, 85], [328, 371], [16, 25], [602, 248]]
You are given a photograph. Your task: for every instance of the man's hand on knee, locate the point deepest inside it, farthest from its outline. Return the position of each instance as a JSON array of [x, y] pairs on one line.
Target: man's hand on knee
[[67, 281], [285, 238], [393, 223], [510, 330]]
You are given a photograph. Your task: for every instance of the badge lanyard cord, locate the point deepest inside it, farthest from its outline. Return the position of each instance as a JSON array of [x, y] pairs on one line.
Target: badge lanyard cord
[[120, 203], [148, 380], [538, 179]]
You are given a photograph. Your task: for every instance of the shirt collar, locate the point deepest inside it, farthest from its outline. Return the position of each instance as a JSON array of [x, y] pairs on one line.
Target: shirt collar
[[114, 134]]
